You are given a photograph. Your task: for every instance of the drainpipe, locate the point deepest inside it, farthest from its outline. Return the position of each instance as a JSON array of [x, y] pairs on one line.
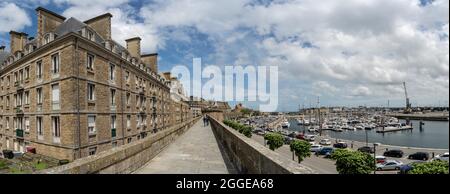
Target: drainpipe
[[77, 59], [122, 101]]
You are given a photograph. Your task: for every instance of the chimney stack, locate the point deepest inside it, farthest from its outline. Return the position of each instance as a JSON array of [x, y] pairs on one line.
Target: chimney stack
[[47, 22], [17, 41], [151, 61], [102, 25], [134, 47]]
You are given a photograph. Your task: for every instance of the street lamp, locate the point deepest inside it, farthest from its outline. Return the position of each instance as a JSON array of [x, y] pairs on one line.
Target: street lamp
[[375, 157]]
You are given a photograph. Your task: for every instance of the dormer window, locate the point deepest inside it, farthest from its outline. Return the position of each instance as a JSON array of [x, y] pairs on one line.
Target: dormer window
[[90, 35], [47, 39]]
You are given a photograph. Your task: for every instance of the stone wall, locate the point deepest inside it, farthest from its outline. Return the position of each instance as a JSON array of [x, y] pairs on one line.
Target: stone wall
[[124, 159], [250, 157]]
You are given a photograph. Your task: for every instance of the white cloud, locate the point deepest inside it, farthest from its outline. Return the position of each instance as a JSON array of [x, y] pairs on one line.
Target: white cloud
[[12, 17]]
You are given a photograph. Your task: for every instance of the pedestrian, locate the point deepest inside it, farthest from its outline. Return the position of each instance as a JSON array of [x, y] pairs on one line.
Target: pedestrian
[[207, 121], [204, 121], [352, 144]]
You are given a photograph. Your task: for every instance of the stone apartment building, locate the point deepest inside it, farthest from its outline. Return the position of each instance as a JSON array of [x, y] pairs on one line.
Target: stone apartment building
[[72, 91]]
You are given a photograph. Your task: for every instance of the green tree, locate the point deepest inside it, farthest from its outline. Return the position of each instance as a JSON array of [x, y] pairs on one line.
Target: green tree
[[434, 167], [274, 140], [353, 162], [302, 149], [246, 111]]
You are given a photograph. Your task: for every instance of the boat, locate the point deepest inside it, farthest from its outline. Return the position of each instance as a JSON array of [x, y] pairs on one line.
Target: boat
[[299, 122], [395, 127], [285, 124], [313, 129], [306, 122]]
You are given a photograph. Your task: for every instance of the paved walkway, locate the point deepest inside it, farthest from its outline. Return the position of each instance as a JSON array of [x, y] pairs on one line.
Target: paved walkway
[[195, 152]]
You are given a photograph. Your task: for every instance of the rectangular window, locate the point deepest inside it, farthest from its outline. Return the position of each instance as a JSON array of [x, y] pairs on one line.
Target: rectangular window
[[128, 98], [113, 97], [127, 77], [129, 140], [39, 70], [7, 123], [7, 101], [92, 151], [90, 61], [91, 124], [112, 69], [91, 92], [90, 35], [8, 79], [55, 63], [128, 121], [39, 95], [27, 73], [113, 122], [55, 97], [27, 124], [56, 127], [137, 100], [39, 125], [27, 97]]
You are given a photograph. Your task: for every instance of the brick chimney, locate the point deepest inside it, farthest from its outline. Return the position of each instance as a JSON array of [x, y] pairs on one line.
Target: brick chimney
[[134, 47], [17, 41], [47, 22], [101, 24], [151, 61]]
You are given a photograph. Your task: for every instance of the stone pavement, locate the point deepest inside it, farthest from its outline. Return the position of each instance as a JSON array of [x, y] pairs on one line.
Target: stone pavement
[[195, 152]]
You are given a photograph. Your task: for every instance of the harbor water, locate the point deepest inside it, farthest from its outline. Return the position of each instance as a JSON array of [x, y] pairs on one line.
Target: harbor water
[[434, 134]]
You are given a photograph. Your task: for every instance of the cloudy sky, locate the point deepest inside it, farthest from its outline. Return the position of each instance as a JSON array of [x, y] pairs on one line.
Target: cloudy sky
[[348, 52]]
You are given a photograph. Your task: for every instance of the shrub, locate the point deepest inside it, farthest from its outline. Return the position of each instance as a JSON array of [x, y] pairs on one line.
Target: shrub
[[301, 149], [274, 140], [246, 130], [434, 167], [353, 162]]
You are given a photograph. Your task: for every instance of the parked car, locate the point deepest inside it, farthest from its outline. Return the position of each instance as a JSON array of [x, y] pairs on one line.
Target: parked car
[[315, 148], [300, 136], [419, 156], [390, 165], [341, 145], [325, 142], [404, 169], [393, 153], [310, 137], [288, 140], [367, 149], [380, 159], [442, 157], [325, 151], [293, 134]]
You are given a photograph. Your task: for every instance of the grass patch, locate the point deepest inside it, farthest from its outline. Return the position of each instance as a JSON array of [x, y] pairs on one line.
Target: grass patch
[[14, 170], [40, 166]]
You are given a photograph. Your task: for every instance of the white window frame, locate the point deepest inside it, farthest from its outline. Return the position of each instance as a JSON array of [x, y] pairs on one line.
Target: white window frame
[[91, 92], [91, 125], [56, 64], [90, 60]]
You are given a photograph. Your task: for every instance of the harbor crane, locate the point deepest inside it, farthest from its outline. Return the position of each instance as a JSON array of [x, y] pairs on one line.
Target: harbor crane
[[408, 108]]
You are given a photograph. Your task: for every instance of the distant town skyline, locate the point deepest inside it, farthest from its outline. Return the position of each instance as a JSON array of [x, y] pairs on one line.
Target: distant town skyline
[[349, 53]]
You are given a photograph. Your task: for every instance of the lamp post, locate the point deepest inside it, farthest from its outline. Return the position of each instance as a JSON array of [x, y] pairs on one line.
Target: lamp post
[[367, 139], [375, 157]]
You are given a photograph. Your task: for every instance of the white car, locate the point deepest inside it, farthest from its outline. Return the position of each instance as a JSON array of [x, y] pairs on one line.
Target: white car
[[442, 157], [390, 165], [315, 148], [325, 142], [310, 137]]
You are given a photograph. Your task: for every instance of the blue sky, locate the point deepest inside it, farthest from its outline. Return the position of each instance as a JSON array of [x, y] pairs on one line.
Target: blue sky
[[348, 52]]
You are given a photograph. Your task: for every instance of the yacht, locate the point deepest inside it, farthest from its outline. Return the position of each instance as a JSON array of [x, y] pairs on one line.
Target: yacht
[[285, 124]]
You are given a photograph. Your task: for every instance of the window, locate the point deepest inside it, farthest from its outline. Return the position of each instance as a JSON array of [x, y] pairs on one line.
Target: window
[[92, 151], [127, 77], [128, 121], [91, 124], [47, 39], [7, 101], [114, 144], [91, 92], [39, 70], [113, 122], [55, 97], [27, 97], [7, 122], [137, 100], [27, 73], [129, 140], [112, 69], [39, 95], [39, 125], [90, 62], [27, 124], [128, 98], [113, 97], [8, 79], [55, 63], [90, 35], [56, 127]]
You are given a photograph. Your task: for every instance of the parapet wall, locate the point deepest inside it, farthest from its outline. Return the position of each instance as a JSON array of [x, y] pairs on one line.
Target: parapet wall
[[124, 159], [250, 157]]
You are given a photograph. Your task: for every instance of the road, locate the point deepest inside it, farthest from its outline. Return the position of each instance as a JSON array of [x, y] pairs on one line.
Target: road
[[327, 166]]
